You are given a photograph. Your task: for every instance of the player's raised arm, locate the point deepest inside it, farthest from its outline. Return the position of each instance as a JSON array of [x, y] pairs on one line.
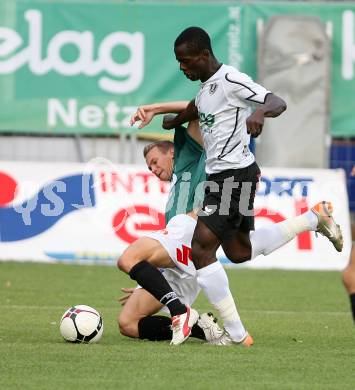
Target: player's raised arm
[[146, 113], [273, 107], [189, 114]]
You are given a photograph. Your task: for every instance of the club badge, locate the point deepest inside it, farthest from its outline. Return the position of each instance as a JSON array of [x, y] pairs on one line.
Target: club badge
[[213, 88]]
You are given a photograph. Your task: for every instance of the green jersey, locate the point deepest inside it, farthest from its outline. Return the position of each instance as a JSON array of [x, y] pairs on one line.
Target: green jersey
[[187, 191]]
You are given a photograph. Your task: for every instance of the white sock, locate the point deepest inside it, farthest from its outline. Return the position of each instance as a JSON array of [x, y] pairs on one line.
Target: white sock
[[213, 281], [267, 239]]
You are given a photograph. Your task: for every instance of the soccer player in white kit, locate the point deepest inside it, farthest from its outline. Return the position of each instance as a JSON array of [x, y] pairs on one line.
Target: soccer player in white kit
[[223, 106]]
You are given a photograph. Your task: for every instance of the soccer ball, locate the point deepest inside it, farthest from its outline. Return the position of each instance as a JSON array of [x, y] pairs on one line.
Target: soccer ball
[[81, 324]]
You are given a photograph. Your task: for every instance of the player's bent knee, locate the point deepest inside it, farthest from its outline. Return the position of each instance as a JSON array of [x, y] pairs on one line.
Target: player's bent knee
[[122, 264], [126, 261], [127, 327], [238, 257]]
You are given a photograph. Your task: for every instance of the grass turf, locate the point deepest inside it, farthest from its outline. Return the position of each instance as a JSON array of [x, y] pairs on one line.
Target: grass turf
[[301, 323]]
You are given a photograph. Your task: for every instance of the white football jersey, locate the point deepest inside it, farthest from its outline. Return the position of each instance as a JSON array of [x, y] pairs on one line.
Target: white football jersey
[[224, 103]]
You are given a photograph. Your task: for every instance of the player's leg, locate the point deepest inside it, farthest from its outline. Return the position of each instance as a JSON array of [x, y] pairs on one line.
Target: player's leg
[[246, 244], [213, 280], [141, 304], [140, 260], [263, 241], [144, 249], [267, 239], [229, 194], [223, 195], [349, 280], [137, 320]]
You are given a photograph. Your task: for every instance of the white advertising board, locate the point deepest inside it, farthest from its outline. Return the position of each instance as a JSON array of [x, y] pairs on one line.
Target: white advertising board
[[91, 212]]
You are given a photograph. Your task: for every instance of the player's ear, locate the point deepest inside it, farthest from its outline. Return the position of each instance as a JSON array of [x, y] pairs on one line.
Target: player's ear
[[205, 53]]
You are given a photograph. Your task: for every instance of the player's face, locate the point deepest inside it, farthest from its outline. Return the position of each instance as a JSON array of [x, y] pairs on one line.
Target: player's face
[[193, 64], [160, 163]]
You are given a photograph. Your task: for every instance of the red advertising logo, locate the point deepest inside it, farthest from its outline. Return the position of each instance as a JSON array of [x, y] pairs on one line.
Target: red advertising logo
[[7, 188], [121, 220]]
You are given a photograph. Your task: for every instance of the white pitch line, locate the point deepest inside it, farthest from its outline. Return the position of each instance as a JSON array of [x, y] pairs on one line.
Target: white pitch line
[[271, 312], [32, 307], [330, 313], [286, 312]]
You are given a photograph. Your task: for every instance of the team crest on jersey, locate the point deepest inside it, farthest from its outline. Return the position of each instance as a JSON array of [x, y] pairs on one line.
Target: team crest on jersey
[[213, 88], [246, 151]]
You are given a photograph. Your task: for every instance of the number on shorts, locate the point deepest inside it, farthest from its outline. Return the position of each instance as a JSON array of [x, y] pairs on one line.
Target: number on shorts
[[183, 255]]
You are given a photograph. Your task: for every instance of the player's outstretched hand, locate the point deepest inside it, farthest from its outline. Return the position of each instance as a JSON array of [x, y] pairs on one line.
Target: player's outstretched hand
[[255, 123], [128, 292], [144, 114]]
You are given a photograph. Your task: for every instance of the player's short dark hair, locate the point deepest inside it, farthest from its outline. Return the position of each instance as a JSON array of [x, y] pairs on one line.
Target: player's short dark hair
[[163, 146], [196, 38]]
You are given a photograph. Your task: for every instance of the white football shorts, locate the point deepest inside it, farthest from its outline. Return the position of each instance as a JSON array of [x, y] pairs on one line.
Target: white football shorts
[[176, 240], [184, 286]]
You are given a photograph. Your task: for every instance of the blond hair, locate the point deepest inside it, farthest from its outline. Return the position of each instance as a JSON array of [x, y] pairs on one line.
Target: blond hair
[[163, 146]]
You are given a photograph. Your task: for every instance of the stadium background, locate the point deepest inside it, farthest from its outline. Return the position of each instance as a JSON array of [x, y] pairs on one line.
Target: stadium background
[[72, 74], [74, 188]]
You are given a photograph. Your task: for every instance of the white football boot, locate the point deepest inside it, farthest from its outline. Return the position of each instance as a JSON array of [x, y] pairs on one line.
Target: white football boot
[[326, 224], [226, 340], [181, 325], [208, 323]]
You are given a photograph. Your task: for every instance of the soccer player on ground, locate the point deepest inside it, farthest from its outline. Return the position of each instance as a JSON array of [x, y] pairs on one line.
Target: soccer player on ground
[[184, 159], [223, 107]]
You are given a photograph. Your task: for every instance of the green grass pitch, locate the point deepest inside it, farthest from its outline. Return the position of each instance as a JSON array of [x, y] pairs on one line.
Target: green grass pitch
[[301, 323]]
